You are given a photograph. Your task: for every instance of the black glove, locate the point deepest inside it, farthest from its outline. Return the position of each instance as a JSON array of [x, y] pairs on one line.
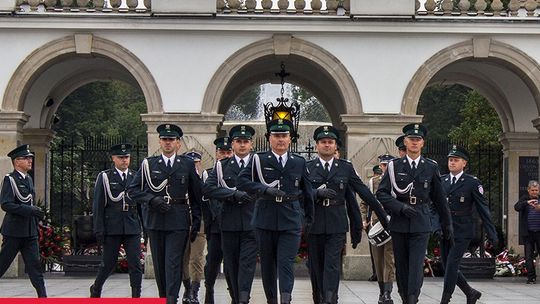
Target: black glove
[[158, 203], [448, 235], [356, 237], [274, 192], [242, 197], [408, 211], [193, 235], [326, 193], [307, 229], [100, 238], [37, 212], [385, 221], [437, 235]]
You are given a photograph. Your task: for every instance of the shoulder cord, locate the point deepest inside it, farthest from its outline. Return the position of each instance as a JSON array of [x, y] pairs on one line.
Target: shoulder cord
[[24, 199], [257, 166], [107, 189], [220, 180], [145, 173], [393, 181]]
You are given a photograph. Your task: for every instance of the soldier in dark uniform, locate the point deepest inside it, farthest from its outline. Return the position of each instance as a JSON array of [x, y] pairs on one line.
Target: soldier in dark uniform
[[331, 178], [212, 209], [401, 146], [20, 225], [464, 193], [406, 190], [162, 185], [116, 221], [238, 237], [281, 181]]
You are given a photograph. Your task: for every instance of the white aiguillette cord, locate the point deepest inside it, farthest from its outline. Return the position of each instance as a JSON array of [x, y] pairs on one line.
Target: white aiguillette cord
[[146, 174], [257, 166], [393, 182], [24, 199]]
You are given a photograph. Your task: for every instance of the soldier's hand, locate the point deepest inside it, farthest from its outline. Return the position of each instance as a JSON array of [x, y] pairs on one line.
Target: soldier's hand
[[193, 235], [437, 235], [38, 212], [274, 192], [242, 197], [448, 235], [307, 229], [384, 221], [408, 211], [159, 204], [100, 238], [326, 193], [356, 237]]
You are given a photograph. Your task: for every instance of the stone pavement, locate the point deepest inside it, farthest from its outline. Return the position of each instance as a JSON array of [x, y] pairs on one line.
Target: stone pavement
[[496, 291]]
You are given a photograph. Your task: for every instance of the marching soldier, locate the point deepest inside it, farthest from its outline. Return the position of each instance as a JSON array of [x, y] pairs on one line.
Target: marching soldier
[[382, 254], [331, 178], [401, 146], [20, 225], [377, 175], [212, 209], [464, 193], [116, 221], [162, 185], [285, 202], [406, 190], [238, 237], [194, 255]]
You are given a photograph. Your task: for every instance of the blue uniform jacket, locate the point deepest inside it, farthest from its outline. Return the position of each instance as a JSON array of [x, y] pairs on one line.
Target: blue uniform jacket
[[183, 180], [269, 214], [18, 221]]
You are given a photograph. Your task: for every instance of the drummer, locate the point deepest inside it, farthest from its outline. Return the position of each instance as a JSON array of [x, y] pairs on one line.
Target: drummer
[[381, 249], [333, 181]]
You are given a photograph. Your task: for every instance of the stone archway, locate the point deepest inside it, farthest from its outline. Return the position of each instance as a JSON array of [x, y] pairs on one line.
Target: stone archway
[[519, 116]]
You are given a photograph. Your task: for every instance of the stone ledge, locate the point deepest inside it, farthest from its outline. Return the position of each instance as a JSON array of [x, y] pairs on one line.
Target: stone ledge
[[184, 7], [356, 267]]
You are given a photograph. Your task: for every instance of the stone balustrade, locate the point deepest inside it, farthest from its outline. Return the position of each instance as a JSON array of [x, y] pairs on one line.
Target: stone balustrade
[[487, 8], [277, 7], [83, 6]]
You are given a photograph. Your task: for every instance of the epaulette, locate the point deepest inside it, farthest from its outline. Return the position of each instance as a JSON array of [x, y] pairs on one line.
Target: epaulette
[[432, 160], [297, 155], [344, 160], [262, 153], [153, 157]]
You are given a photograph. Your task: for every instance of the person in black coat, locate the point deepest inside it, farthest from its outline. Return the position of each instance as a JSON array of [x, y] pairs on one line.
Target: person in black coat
[[20, 225], [529, 227], [407, 189], [464, 193], [169, 189], [116, 221], [331, 179], [238, 237], [285, 203]]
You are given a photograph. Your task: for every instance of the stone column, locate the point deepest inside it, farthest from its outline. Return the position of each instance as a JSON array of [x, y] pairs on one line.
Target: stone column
[[367, 137], [11, 124], [200, 130], [515, 145], [40, 143]]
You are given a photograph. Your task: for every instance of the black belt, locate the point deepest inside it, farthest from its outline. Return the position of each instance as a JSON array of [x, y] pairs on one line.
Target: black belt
[[126, 207], [413, 200], [282, 199], [461, 212], [330, 202], [177, 201]]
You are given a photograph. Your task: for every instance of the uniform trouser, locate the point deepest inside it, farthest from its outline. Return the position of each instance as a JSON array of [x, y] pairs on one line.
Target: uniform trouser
[[451, 258], [277, 250], [532, 243], [324, 260], [111, 246], [194, 259], [383, 257], [239, 260], [168, 249], [29, 248], [409, 254], [213, 260]]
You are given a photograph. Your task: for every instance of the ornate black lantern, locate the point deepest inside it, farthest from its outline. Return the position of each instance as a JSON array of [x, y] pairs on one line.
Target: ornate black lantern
[[282, 110]]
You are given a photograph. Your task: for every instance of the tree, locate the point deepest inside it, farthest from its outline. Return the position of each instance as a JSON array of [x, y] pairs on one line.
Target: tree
[[247, 106], [310, 107]]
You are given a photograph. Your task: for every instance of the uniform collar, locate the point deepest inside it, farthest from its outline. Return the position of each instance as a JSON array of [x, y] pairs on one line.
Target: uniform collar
[[458, 176], [22, 174], [165, 158], [245, 158], [283, 157], [410, 160], [330, 162], [121, 172]]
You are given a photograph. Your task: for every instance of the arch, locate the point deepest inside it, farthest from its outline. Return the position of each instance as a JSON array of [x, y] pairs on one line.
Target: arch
[[53, 52], [315, 56], [505, 55]]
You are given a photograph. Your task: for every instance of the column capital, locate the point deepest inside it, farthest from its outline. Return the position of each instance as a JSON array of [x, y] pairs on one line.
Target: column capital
[[38, 137], [536, 123], [519, 142]]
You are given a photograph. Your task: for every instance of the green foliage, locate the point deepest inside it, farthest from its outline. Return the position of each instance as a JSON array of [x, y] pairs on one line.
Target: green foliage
[[310, 107], [440, 105], [102, 108], [246, 106], [480, 121]]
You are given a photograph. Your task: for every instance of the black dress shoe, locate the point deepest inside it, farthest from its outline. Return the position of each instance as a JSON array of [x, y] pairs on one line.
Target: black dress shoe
[[531, 281]]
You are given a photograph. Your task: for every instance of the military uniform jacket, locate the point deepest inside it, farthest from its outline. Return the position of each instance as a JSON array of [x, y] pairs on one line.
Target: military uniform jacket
[[183, 181], [341, 178], [467, 193], [233, 216], [18, 221], [365, 209], [427, 187], [269, 214], [211, 209], [109, 216]]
